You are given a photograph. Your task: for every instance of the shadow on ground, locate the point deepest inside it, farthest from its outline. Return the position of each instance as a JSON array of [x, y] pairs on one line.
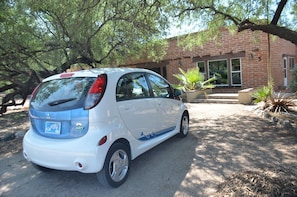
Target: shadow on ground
[[232, 144], [219, 145]]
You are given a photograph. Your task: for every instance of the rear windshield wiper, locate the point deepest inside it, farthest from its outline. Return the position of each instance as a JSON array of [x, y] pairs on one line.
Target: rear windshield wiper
[[58, 102]]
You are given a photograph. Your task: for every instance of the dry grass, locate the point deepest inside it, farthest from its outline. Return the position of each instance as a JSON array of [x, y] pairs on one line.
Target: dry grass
[[272, 182]]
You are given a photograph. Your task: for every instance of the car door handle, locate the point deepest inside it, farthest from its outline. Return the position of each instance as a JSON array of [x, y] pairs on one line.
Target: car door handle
[[128, 107]]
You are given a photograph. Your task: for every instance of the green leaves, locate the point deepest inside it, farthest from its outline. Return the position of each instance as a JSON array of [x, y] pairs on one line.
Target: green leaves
[[293, 81], [274, 101], [192, 79], [262, 94], [40, 38], [98, 32], [275, 17]]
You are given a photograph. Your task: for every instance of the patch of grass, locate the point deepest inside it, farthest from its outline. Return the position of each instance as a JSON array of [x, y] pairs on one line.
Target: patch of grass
[[262, 182]]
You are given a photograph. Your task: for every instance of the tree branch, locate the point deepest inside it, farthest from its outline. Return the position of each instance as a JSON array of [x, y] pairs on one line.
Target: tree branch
[[235, 20], [281, 32], [278, 12], [7, 87]]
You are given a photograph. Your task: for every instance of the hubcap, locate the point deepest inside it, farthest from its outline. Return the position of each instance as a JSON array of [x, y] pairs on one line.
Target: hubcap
[[185, 125], [118, 165]]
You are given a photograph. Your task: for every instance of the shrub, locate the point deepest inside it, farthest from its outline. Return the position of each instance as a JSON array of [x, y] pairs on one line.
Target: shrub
[[281, 102], [192, 79], [274, 102], [262, 94], [293, 82]]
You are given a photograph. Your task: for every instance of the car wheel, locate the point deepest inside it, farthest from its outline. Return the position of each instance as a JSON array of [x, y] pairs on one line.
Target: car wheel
[[184, 125], [116, 166], [41, 168]]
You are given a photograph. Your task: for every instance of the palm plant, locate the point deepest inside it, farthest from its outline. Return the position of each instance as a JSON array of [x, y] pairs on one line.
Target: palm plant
[[262, 94], [192, 79]]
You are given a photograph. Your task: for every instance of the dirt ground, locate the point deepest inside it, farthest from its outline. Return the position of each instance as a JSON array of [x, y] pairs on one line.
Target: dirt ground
[[274, 178], [11, 122], [229, 138]]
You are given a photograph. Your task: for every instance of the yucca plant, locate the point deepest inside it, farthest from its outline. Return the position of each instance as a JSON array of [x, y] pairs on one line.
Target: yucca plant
[[274, 102], [281, 102]]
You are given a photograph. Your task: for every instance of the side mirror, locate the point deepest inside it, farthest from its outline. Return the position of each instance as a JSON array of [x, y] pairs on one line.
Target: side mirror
[[177, 92]]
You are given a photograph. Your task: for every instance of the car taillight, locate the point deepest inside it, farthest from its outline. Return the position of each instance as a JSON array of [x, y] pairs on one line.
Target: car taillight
[[96, 92], [35, 90]]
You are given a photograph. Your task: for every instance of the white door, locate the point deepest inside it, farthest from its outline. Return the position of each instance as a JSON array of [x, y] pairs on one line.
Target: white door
[[285, 72], [139, 116], [136, 106], [167, 107]]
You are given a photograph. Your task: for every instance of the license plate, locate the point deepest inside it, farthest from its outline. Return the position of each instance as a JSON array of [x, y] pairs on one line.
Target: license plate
[[53, 127]]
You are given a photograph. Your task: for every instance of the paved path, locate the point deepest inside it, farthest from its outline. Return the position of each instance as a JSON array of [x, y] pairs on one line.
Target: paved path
[[223, 139]]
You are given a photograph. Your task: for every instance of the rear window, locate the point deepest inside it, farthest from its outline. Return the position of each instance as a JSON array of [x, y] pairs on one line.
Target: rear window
[[62, 94]]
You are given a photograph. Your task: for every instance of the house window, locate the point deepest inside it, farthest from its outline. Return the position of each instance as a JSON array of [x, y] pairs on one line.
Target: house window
[[160, 70], [291, 62], [202, 69], [219, 68], [235, 72]]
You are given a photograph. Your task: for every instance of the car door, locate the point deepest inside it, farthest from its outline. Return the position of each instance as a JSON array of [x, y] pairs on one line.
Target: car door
[[136, 106], [167, 107]]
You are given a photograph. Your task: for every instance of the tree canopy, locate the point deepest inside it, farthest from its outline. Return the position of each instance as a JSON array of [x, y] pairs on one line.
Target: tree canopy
[[40, 38], [276, 17]]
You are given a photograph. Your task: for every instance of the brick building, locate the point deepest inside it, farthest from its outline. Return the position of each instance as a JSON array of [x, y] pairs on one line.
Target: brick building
[[241, 59]]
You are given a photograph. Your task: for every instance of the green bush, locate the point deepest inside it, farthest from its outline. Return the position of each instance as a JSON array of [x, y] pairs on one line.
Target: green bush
[[192, 79], [293, 82], [262, 94]]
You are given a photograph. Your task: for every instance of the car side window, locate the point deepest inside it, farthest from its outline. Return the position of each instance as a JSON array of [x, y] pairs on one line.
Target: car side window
[[132, 86], [160, 87]]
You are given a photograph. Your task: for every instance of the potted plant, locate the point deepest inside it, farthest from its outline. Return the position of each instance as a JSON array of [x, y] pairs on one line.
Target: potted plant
[[192, 83]]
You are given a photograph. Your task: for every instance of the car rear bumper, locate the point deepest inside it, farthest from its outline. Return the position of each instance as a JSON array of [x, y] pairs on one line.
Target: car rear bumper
[[80, 154]]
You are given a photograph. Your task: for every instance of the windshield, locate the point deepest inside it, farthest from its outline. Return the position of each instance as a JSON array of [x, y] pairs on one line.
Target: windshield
[[62, 94]]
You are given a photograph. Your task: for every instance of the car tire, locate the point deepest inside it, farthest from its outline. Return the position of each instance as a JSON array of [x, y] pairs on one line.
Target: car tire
[[41, 168], [184, 125], [116, 166]]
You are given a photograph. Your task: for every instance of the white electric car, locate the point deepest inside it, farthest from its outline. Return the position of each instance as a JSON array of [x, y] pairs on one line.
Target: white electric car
[[97, 121]]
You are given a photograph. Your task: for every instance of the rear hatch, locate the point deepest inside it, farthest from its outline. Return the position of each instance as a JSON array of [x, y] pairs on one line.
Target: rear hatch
[[57, 107]]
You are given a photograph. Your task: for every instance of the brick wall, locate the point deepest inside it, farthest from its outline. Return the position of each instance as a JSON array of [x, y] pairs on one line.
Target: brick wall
[[254, 61], [279, 49]]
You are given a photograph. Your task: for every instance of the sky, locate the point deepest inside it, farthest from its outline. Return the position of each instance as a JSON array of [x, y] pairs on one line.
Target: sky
[[185, 28]]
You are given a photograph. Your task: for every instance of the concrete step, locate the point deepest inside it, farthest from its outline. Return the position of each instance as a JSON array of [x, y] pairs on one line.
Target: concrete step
[[226, 98], [225, 101], [223, 96]]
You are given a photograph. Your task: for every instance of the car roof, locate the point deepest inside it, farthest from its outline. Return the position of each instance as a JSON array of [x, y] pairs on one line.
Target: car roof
[[115, 72]]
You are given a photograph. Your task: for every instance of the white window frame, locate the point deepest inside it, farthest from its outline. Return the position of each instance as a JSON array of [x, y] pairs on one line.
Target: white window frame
[[291, 62], [216, 60], [285, 70], [232, 72]]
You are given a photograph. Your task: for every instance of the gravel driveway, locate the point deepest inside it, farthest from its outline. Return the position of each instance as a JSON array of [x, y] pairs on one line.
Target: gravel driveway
[[224, 139]]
